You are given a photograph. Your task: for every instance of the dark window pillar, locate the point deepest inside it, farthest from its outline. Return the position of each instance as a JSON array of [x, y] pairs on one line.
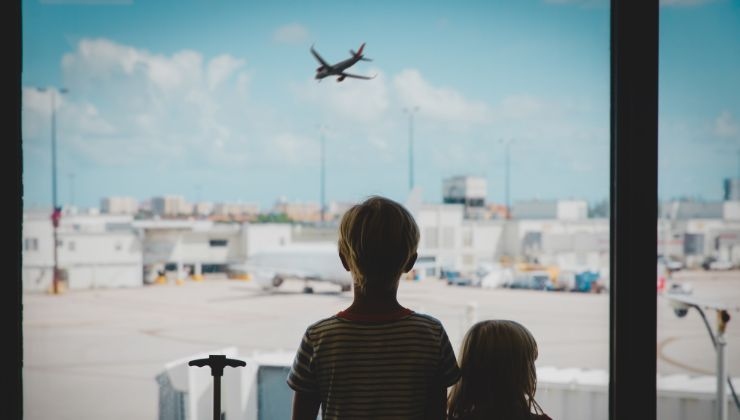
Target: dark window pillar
[[634, 192]]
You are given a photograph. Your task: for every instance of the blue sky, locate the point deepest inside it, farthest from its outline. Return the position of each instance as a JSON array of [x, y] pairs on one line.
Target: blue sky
[[215, 100]]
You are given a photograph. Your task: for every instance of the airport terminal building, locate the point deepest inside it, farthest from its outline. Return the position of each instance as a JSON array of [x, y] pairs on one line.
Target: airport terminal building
[[116, 250]]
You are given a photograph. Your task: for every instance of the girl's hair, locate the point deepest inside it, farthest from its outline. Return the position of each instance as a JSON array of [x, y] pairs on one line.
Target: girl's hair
[[377, 239], [498, 377]]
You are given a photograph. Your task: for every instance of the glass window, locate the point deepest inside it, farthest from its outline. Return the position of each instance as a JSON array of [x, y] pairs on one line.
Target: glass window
[[31, 244], [225, 149], [698, 223]]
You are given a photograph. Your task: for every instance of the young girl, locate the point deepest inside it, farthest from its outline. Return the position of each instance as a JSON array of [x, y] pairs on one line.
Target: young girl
[[498, 378]]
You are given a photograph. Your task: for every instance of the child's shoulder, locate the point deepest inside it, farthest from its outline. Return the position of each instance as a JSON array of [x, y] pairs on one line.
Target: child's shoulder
[[429, 322], [338, 322], [324, 322], [426, 319]]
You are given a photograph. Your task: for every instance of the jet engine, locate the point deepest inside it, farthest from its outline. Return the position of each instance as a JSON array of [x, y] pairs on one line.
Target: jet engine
[[267, 280]]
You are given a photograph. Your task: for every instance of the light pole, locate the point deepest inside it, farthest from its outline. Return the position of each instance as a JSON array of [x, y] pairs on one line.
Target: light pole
[[71, 189], [681, 305], [411, 112], [56, 214], [322, 149], [507, 174]]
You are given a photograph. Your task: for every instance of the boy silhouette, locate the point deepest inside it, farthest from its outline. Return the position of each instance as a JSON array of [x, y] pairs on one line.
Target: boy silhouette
[[376, 359]]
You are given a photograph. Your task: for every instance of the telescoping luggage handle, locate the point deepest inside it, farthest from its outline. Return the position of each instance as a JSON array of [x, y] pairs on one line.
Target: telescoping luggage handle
[[217, 363]]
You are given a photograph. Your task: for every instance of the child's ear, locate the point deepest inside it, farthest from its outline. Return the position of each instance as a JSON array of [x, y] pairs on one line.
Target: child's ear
[[410, 263], [344, 261]]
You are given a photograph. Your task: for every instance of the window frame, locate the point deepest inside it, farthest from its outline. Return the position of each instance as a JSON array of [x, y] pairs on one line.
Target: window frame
[[634, 209]]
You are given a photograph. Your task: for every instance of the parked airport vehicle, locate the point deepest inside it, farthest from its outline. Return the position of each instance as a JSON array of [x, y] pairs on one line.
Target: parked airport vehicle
[[670, 263], [456, 278]]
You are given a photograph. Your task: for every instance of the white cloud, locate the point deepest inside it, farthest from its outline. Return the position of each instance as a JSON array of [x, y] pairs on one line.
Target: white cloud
[[105, 61], [379, 142], [221, 68], [521, 106], [243, 81], [130, 106], [293, 33], [440, 103], [81, 116], [355, 100], [293, 149], [127, 103], [726, 126], [39, 102]]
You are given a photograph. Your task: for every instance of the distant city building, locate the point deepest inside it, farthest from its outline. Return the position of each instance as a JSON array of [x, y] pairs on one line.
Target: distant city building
[[236, 209], [170, 206], [335, 210], [203, 208], [496, 211], [119, 205], [551, 209], [731, 210], [299, 212], [145, 206], [467, 190], [732, 189], [94, 251], [685, 209]]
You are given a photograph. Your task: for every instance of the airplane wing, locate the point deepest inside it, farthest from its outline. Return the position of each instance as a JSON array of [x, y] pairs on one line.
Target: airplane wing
[[271, 269], [318, 57], [358, 76]]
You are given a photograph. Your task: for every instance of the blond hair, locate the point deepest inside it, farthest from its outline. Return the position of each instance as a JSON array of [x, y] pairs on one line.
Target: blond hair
[[377, 239], [498, 378]]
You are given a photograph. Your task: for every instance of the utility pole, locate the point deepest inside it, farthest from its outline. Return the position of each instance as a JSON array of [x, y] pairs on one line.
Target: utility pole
[[411, 112], [71, 189], [507, 174], [56, 214], [322, 187], [508, 182]]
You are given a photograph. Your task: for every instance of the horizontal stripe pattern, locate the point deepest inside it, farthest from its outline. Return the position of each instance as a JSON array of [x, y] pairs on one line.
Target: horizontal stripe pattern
[[374, 369]]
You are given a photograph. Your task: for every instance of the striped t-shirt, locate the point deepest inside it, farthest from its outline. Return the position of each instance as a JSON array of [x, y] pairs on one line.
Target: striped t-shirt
[[374, 368]]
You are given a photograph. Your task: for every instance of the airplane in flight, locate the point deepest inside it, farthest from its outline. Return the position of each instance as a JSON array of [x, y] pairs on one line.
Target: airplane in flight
[[310, 264], [339, 68]]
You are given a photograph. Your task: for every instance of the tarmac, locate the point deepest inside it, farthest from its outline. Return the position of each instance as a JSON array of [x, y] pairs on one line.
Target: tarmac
[[94, 354]]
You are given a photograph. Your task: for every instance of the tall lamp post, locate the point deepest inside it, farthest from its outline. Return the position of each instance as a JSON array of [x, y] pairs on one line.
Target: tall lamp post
[[71, 189], [411, 112], [507, 174], [322, 129], [56, 214], [681, 303]]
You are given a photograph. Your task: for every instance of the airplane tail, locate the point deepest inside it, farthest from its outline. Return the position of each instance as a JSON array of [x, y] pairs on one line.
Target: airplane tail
[[354, 54], [362, 47]]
